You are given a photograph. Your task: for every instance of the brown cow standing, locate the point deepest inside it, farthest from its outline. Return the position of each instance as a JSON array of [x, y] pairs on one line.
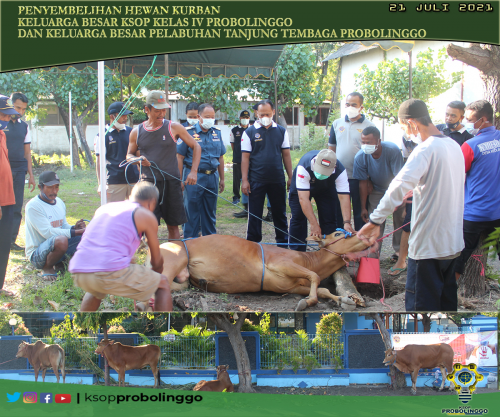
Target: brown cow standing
[[223, 382], [414, 357], [229, 264], [123, 358], [42, 356]]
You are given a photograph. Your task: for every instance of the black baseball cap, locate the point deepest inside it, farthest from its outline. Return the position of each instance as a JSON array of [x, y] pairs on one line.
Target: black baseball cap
[[413, 109], [245, 113], [48, 178], [6, 106], [117, 107]]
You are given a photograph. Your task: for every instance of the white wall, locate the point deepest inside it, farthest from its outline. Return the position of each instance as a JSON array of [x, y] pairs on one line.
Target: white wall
[[473, 86]]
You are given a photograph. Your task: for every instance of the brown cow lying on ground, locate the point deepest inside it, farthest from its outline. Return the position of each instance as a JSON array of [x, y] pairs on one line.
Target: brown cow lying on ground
[[223, 382], [229, 264], [42, 356], [123, 358], [414, 357]]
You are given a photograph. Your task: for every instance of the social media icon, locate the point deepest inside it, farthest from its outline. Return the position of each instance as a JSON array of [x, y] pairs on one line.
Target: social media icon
[[30, 397], [12, 398], [45, 397], [62, 398]]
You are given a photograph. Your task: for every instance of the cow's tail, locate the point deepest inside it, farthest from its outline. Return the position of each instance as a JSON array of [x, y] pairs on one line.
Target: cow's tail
[[62, 364]]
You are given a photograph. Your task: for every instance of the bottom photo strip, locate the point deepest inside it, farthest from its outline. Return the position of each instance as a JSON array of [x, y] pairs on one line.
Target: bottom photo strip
[[215, 363]]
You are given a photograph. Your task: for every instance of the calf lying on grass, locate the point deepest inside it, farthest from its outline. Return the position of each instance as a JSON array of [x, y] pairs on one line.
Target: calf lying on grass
[[223, 382]]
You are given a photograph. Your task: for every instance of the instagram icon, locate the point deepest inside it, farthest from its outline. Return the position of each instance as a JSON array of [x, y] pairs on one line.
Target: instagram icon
[[30, 397]]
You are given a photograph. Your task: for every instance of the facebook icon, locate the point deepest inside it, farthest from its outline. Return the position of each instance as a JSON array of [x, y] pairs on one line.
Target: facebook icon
[[45, 398]]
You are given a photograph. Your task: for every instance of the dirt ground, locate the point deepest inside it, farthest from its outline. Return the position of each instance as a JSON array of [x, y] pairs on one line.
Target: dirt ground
[[394, 287]]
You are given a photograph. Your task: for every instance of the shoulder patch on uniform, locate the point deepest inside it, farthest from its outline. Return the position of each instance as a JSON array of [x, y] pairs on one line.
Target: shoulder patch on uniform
[[189, 127], [215, 127]]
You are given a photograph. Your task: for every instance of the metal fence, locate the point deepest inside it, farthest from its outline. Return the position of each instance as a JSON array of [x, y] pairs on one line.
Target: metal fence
[[301, 351], [186, 352], [79, 352]]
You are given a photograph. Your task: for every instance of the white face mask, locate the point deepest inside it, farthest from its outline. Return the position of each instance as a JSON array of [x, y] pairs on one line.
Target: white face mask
[[416, 138], [244, 122], [353, 112], [266, 121], [192, 122], [207, 123], [368, 149], [119, 126]]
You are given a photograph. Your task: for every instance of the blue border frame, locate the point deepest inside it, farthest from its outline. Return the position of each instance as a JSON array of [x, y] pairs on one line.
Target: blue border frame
[[243, 334]]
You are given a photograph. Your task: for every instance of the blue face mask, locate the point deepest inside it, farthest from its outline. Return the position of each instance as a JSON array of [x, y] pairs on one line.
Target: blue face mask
[[3, 124], [320, 176]]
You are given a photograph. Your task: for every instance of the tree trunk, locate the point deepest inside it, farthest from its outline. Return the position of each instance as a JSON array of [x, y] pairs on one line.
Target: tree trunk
[[472, 283], [65, 116], [486, 58], [83, 141], [345, 287], [106, 366], [223, 321], [398, 380], [426, 322]]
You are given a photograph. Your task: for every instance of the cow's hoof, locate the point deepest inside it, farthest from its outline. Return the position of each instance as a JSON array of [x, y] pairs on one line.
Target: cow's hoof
[[413, 392], [347, 307], [302, 305], [347, 300]]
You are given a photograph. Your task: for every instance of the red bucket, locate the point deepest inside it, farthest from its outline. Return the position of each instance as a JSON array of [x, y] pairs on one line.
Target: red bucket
[[369, 271]]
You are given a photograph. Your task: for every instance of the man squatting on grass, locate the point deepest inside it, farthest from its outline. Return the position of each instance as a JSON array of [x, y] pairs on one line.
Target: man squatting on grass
[[101, 264]]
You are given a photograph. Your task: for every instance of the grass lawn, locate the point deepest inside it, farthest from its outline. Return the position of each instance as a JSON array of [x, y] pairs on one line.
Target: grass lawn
[[79, 193]]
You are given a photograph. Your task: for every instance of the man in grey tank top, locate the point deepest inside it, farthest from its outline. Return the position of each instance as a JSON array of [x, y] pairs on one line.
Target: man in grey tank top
[[155, 141]]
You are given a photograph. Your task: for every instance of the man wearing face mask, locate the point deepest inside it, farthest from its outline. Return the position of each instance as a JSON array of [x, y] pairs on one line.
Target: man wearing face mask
[[18, 145], [155, 140], [453, 127], [265, 149], [435, 171], [7, 197], [49, 237], [321, 176], [378, 162], [482, 184], [235, 140], [119, 183], [191, 115], [345, 141], [199, 203]]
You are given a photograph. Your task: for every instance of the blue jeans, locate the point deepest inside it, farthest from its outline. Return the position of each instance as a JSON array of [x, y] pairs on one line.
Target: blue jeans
[[39, 257]]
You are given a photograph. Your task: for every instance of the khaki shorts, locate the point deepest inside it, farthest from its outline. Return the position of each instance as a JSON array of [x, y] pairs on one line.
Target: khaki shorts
[[136, 282], [118, 192]]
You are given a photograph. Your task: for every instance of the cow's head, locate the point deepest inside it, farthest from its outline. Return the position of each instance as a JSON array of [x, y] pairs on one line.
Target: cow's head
[[338, 242], [103, 344], [221, 369], [22, 350], [390, 357]]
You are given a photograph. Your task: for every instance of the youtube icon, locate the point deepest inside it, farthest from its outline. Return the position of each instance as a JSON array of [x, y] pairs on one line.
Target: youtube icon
[[62, 398]]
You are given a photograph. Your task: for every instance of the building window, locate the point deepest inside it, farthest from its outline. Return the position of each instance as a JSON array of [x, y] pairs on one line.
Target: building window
[[320, 119], [53, 117], [292, 120]]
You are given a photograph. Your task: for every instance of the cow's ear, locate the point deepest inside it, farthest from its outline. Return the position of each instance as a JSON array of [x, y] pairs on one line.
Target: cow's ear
[[111, 342], [227, 367]]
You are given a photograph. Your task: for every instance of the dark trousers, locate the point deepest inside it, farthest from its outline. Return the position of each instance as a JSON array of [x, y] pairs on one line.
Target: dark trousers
[[298, 223], [431, 285], [472, 233], [236, 180], [19, 178], [356, 206], [5, 233], [276, 193]]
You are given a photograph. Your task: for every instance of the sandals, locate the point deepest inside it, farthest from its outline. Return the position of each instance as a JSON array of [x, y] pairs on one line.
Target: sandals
[[394, 257], [396, 271], [48, 277], [6, 293]]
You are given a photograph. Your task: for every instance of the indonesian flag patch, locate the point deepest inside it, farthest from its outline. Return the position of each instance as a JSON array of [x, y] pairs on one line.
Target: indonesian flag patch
[[325, 162], [300, 175]]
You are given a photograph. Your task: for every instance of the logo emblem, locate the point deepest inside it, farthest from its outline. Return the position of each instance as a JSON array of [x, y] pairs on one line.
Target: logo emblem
[[465, 378], [341, 128], [12, 398], [359, 130], [325, 162], [30, 397], [45, 397], [62, 398], [257, 135]]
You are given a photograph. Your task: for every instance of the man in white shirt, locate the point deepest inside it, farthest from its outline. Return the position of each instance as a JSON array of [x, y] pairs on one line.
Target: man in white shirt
[[49, 237], [436, 172]]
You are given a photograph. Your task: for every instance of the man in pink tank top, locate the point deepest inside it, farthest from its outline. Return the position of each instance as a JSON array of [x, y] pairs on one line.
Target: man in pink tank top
[[155, 141], [101, 264]]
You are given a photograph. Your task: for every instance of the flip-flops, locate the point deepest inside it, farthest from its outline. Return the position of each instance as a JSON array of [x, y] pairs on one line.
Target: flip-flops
[[395, 271], [48, 277]]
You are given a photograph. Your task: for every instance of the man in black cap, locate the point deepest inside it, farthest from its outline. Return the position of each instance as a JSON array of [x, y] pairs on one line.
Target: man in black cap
[[119, 183], [435, 171], [49, 237], [235, 140], [453, 126]]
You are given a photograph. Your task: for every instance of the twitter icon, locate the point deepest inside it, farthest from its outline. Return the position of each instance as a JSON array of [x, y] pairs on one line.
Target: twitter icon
[[12, 398]]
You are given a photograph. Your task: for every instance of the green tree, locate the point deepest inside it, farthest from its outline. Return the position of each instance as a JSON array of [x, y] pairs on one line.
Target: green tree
[[386, 87]]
